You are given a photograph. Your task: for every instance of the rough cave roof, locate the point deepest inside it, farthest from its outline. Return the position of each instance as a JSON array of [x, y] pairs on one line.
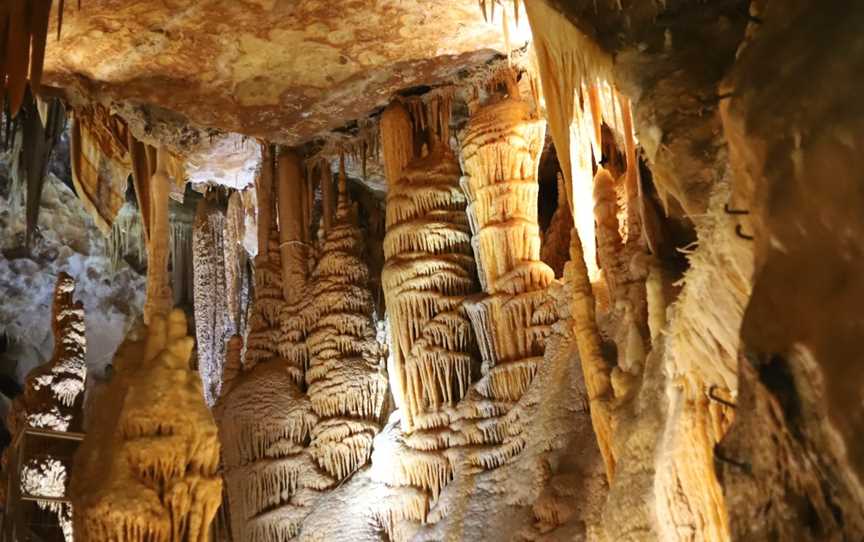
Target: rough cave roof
[[281, 70]]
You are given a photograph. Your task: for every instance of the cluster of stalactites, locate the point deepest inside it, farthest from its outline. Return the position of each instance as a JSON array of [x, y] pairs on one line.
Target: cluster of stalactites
[[267, 339], [148, 470], [345, 376], [428, 272]]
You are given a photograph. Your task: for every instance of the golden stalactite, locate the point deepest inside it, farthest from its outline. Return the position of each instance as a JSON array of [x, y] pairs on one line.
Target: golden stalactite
[[266, 201], [327, 196], [594, 368], [22, 47], [397, 140], [141, 174]]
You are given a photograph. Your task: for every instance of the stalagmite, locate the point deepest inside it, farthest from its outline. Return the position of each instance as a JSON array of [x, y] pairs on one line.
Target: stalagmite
[[147, 471], [52, 400], [212, 324], [500, 152], [159, 296], [265, 419], [264, 422], [345, 376], [427, 274]]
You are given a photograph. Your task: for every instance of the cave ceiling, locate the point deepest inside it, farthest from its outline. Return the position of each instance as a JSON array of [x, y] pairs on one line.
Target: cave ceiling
[[281, 70]]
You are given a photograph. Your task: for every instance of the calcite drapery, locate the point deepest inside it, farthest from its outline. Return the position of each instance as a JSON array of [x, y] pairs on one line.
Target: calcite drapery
[[213, 325], [52, 399], [101, 162], [148, 470]]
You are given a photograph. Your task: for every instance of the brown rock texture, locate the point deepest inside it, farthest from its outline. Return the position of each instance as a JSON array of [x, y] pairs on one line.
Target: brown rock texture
[[281, 70], [794, 124]]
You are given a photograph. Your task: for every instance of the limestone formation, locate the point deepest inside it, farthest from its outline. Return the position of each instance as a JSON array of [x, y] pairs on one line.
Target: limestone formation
[[427, 274], [405, 330], [345, 377], [159, 295], [212, 324], [500, 153], [53, 398], [148, 469]]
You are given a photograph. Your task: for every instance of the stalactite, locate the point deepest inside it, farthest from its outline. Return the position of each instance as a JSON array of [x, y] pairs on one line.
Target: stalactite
[[292, 239], [148, 469], [127, 236], [397, 140], [594, 367], [141, 180], [345, 377], [39, 138], [556, 239], [235, 259], [212, 323], [159, 296], [610, 246], [326, 196], [264, 191], [574, 73]]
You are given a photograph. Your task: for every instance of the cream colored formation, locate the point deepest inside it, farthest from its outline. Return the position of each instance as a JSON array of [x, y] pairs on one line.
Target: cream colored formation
[[148, 469], [299, 415]]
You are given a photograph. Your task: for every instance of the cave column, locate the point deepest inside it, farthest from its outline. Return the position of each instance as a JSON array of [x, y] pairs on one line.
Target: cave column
[[292, 241], [500, 153], [159, 296], [428, 271]]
